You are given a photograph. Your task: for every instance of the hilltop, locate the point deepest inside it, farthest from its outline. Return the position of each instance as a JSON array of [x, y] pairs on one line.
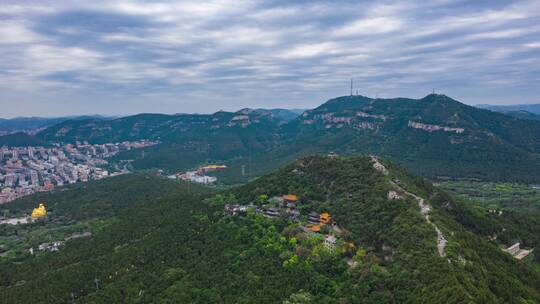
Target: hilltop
[[397, 239]]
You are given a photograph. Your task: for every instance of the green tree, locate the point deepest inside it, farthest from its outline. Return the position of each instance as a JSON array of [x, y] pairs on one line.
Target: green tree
[[300, 297]]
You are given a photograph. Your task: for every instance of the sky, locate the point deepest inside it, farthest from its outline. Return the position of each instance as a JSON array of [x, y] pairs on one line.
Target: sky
[[124, 57]]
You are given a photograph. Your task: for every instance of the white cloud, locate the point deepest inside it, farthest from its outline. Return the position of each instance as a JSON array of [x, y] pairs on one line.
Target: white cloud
[[501, 34], [17, 32], [533, 45], [369, 26], [310, 50]]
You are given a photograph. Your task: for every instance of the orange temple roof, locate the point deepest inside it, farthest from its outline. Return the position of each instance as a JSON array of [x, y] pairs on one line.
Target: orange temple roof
[[290, 197], [325, 217], [315, 228]]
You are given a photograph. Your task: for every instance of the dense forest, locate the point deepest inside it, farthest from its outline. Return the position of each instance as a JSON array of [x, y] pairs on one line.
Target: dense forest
[[179, 245], [78, 208]]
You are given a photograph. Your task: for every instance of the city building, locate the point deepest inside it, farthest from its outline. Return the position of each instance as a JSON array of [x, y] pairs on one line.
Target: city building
[[27, 170]]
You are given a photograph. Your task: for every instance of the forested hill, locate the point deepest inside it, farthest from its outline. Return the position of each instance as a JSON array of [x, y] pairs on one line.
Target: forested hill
[[158, 126], [403, 248], [531, 108], [34, 124], [397, 239], [435, 136], [20, 139]]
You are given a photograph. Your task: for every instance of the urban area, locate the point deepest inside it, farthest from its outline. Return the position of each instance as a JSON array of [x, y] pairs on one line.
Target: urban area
[[27, 170]]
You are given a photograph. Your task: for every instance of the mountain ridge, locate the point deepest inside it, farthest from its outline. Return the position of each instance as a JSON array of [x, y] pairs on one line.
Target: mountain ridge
[[435, 136], [35, 124]]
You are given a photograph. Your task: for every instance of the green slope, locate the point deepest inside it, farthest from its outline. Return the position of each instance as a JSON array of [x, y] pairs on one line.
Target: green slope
[[401, 239], [522, 114], [182, 248], [77, 208]]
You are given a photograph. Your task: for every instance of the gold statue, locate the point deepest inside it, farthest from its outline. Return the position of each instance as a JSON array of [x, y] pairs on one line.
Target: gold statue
[[39, 211]]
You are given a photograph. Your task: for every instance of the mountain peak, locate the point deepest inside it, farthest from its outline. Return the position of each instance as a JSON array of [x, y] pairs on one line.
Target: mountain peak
[[245, 111], [438, 97]]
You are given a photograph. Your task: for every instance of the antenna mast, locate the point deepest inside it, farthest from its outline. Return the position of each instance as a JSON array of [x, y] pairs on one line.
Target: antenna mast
[[351, 86]]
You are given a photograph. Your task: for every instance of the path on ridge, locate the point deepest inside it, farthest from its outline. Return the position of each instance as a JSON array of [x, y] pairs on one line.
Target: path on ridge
[[425, 208]]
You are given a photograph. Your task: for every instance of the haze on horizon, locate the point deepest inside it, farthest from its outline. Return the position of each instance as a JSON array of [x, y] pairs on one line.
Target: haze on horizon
[[124, 57]]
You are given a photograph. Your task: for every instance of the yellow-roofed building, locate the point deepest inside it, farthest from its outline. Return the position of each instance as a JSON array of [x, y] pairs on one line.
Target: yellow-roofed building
[[325, 218], [290, 198], [315, 228], [39, 211]]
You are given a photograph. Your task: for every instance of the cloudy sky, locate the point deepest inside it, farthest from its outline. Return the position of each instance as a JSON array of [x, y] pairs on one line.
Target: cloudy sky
[[121, 57]]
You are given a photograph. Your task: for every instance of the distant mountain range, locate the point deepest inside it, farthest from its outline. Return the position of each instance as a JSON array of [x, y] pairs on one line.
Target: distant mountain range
[[529, 112], [532, 108], [436, 136], [34, 124]]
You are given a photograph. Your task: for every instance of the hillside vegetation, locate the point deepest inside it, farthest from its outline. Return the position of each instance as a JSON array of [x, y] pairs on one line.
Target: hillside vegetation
[[184, 248], [522, 115], [77, 208]]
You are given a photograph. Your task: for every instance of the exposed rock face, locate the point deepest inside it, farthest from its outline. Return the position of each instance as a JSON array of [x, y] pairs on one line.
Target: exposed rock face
[[240, 120], [364, 114], [378, 166], [365, 125], [331, 120], [240, 117], [63, 131], [393, 195], [432, 128]]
